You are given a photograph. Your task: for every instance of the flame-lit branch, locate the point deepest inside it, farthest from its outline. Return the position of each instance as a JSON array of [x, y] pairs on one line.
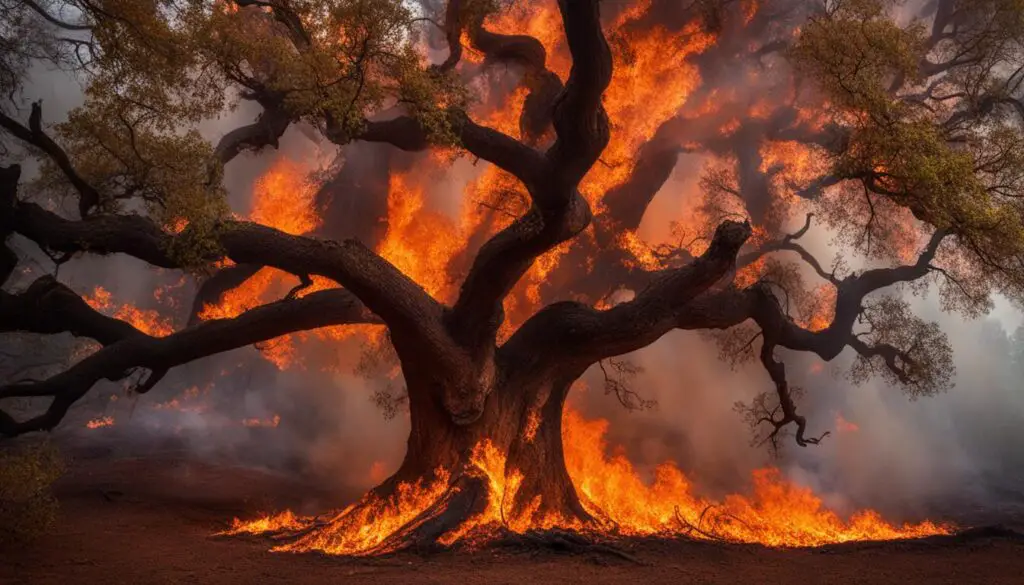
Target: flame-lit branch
[[483, 142], [213, 288], [544, 85], [558, 212], [581, 335], [121, 358], [581, 124], [731, 307], [452, 27], [384, 289], [788, 242], [777, 371], [48, 306]]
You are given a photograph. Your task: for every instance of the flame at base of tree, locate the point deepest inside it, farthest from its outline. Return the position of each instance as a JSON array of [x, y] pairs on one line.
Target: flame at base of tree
[[776, 513]]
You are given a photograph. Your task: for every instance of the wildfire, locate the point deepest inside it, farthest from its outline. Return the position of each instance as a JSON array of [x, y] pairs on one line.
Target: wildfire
[[776, 512], [541, 21], [100, 422], [192, 399], [271, 422], [845, 426], [419, 242], [283, 198], [650, 83], [653, 79], [359, 529], [147, 321]]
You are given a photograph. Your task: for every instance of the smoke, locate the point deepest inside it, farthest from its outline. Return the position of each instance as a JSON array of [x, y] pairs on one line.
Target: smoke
[[955, 451]]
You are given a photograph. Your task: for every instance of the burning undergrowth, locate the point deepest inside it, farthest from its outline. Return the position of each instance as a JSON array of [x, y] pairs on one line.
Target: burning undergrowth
[[775, 513]]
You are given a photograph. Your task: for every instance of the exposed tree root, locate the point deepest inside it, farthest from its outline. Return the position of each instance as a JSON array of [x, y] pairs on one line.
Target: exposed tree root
[[465, 498]]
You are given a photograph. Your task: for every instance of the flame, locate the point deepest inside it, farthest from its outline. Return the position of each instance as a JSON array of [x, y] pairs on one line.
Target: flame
[[271, 422], [651, 81], [359, 529], [419, 242], [100, 422], [506, 117], [542, 21], [775, 513], [750, 8], [642, 253], [192, 399], [283, 198], [845, 426], [145, 320], [822, 308], [281, 521], [800, 163]]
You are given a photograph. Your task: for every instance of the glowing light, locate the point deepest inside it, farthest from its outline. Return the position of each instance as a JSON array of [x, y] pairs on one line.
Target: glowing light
[[271, 422], [776, 512], [145, 320], [100, 422], [283, 198]]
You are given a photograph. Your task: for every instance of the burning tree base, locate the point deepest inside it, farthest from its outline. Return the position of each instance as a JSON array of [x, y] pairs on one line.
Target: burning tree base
[[486, 503]]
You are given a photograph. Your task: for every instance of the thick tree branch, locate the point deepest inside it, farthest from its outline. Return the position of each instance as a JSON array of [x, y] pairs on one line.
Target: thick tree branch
[[48, 307], [581, 124], [731, 307], [213, 288], [118, 360], [495, 147], [265, 131], [581, 335], [558, 212], [385, 289], [544, 85]]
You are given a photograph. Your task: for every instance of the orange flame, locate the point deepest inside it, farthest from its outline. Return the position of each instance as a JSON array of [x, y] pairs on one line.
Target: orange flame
[[283, 198], [419, 242], [776, 513], [145, 320], [100, 422], [271, 422], [358, 529], [845, 426]]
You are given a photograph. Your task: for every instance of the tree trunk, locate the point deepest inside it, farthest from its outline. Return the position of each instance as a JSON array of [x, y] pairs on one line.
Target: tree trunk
[[522, 422]]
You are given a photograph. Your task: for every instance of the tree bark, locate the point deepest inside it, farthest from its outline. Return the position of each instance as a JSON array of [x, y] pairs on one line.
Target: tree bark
[[522, 421]]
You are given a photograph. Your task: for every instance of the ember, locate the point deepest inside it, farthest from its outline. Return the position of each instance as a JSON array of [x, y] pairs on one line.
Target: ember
[[103, 421]]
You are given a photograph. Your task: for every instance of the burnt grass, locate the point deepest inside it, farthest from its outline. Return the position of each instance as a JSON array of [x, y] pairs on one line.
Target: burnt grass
[[134, 518]]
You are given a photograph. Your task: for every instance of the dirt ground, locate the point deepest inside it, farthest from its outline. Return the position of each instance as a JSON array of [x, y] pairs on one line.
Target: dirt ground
[[149, 521]]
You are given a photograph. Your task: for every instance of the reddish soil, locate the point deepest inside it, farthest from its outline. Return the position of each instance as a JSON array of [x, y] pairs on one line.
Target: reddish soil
[[150, 520]]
